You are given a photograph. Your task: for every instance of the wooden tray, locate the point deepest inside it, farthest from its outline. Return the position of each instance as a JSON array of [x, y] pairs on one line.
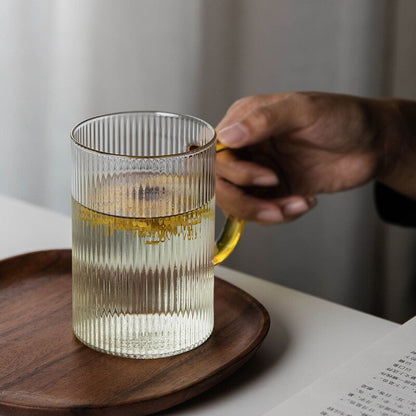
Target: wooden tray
[[44, 370]]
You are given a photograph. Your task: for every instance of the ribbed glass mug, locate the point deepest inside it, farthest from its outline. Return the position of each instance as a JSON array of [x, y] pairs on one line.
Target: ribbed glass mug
[[143, 252]]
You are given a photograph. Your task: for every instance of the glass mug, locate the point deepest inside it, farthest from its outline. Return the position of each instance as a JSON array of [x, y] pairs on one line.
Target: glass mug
[[143, 254]]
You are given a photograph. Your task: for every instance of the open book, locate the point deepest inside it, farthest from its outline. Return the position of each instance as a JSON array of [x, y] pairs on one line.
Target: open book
[[379, 381]]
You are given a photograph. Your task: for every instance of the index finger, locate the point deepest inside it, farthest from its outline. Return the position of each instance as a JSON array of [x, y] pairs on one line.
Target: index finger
[[257, 118]]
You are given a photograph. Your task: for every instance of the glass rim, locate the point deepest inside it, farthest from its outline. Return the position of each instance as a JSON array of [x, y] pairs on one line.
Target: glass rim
[[199, 149]]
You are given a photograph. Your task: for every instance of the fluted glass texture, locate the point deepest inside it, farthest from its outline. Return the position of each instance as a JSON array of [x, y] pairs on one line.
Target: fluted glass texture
[[143, 233]]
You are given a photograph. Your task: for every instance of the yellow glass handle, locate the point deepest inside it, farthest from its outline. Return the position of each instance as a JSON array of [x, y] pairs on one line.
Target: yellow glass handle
[[231, 233]]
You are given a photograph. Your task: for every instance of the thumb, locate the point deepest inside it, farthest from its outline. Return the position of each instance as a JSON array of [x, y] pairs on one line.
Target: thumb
[[285, 114]]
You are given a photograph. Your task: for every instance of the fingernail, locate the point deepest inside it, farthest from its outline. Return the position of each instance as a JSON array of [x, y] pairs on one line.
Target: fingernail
[[295, 208], [269, 215], [234, 134], [265, 180]]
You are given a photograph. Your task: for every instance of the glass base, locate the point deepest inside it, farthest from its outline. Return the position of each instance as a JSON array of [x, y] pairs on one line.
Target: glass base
[[144, 336]]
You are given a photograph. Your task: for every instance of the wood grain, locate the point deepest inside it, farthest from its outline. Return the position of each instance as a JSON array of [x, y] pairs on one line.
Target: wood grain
[[44, 370]]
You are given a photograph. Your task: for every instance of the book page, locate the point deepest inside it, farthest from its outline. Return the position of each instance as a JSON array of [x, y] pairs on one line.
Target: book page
[[379, 381]]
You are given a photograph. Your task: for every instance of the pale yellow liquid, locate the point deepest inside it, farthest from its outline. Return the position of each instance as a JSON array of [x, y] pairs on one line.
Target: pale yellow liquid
[[143, 287]]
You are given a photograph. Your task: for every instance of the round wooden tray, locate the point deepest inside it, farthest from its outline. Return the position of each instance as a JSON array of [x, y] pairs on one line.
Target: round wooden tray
[[44, 370]]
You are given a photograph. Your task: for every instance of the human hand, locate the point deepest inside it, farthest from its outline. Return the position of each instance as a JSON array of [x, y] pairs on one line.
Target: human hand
[[286, 148]]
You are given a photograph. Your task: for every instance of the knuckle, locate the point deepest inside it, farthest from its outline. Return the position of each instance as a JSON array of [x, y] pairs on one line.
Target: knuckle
[[238, 104], [246, 104], [309, 103], [243, 178], [301, 98], [246, 211], [234, 176], [262, 118]]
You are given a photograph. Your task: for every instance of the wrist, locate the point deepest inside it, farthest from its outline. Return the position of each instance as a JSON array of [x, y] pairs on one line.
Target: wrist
[[396, 131]]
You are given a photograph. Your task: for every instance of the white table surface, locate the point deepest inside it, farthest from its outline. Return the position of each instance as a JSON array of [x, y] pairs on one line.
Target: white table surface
[[307, 338]]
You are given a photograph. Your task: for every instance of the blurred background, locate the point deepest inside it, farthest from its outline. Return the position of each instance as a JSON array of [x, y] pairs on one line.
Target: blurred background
[[63, 61]]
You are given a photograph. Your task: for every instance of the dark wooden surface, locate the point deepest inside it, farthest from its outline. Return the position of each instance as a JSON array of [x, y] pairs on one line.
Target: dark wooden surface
[[44, 370]]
